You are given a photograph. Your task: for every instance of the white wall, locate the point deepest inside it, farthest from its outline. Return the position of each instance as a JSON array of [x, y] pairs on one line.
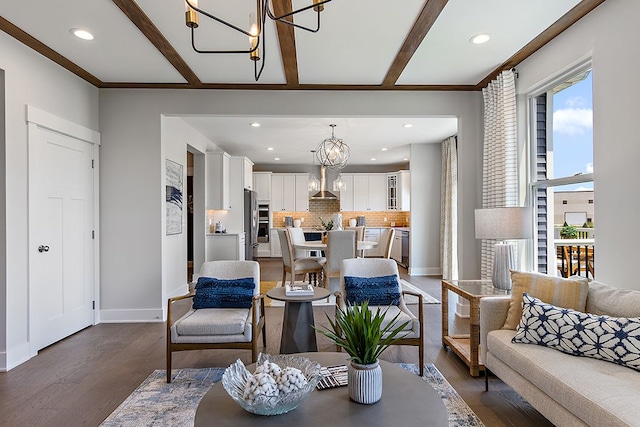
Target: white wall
[[29, 79], [131, 159], [608, 34], [425, 198]]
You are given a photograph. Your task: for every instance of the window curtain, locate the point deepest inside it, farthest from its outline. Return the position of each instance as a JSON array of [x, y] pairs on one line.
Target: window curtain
[[499, 171], [449, 210]]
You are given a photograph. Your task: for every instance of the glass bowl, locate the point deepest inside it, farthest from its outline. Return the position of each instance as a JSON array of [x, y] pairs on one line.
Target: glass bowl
[[235, 377]]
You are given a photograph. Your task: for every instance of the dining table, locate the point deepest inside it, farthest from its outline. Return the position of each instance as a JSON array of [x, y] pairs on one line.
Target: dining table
[[318, 245]]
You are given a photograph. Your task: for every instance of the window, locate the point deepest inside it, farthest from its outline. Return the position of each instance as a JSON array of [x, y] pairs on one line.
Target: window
[[562, 169]]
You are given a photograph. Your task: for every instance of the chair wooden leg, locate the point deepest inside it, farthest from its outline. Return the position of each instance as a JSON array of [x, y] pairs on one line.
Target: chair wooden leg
[[168, 363], [421, 358]]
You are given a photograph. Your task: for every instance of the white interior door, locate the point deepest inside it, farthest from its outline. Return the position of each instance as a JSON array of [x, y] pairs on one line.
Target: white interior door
[[61, 241]]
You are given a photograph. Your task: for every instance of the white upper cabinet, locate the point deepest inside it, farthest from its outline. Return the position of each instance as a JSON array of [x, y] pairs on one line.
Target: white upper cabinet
[[247, 174], [283, 192], [302, 192], [346, 196], [369, 192], [262, 185], [398, 191], [217, 181]]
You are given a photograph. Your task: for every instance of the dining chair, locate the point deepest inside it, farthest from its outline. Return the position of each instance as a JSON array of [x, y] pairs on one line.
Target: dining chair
[[227, 311], [359, 229], [297, 236], [294, 266], [386, 240], [341, 244], [377, 280]]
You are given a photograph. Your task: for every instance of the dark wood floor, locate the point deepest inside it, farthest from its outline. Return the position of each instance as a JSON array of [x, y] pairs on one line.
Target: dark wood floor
[[82, 379]]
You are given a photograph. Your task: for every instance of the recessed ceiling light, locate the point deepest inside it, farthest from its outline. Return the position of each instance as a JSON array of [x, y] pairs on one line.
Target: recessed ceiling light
[[269, 148], [480, 38], [384, 149], [407, 125], [373, 159], [276, 158], [405, 159], [81, 34], [255, 125]]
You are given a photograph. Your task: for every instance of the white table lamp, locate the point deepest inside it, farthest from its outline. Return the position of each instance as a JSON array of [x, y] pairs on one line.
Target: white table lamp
[[504, 224]]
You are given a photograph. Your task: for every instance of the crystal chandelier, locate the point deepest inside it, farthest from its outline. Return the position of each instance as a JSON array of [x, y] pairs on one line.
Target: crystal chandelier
[[333, 153], [314, 183]]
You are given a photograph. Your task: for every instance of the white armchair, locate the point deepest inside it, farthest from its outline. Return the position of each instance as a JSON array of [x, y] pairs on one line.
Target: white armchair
[[217, 328], [377, 267]]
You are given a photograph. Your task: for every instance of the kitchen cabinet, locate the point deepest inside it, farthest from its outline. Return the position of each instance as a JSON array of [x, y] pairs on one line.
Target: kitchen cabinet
[[396, 248], [369, 192], [290, 192], [217, 167], [224, 247], [276, 251], [398, 191], [346, 195], [302, 192], [262, 185], [283, 187], [247, 174]]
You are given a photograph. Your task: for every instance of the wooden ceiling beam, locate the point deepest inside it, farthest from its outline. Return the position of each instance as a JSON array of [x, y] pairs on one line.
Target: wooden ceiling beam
[[555, 29], [287, 40], [140, 19], [427, 17], [47, 52]]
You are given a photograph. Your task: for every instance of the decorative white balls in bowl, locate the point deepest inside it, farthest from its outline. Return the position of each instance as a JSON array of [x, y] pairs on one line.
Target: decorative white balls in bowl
[[278, 385]]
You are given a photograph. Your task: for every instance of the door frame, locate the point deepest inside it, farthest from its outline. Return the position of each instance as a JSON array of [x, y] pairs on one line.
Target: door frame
[[37, 118]]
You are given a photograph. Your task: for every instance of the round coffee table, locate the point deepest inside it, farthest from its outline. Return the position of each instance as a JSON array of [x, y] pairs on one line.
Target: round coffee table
[[406, 401], [298, 334]]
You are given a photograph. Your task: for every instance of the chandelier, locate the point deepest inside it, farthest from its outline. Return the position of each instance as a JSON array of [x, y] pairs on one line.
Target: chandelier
[[314, 183], [333, 153], [255, 33]]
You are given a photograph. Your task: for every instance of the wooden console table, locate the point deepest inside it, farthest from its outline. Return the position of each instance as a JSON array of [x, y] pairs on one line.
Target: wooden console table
[[466, 346]]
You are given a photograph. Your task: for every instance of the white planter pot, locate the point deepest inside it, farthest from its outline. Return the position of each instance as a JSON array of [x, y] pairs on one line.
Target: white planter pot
[[365, 382]]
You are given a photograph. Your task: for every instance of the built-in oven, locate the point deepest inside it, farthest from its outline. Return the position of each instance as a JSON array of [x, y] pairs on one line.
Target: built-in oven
[[263, 223]]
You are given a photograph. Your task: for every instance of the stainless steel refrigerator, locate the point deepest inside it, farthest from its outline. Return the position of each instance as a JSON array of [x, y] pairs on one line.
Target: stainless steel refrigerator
[[251, 225]]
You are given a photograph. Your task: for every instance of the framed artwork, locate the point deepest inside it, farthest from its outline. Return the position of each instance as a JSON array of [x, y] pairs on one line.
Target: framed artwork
[[173, 205]]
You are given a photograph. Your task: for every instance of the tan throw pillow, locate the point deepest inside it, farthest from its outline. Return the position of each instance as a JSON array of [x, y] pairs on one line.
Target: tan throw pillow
[[568, 293]]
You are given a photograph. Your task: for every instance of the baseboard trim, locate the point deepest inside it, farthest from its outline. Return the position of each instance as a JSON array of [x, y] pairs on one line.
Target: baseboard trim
[[15, 356], [151, 315], [425, 271]]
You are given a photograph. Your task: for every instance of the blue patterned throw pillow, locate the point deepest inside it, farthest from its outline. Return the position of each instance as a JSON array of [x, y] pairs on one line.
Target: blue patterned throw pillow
[[223, 293], [382, 290], [614, 339]]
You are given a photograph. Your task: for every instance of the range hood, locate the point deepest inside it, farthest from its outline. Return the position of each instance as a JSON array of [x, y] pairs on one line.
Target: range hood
[[324, 194]]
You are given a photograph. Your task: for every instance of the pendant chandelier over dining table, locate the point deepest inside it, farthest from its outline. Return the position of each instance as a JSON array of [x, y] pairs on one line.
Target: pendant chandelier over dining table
[[333, 153], [255, 33]]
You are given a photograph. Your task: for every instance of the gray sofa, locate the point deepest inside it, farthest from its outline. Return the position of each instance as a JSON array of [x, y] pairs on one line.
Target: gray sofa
[[567, 390]]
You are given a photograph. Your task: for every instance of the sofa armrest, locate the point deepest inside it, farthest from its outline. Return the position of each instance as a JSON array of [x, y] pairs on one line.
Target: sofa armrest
[[493, 313]]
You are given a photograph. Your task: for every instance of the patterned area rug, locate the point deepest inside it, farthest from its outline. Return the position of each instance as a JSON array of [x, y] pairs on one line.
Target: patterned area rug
[[156, 403], [426, 298]]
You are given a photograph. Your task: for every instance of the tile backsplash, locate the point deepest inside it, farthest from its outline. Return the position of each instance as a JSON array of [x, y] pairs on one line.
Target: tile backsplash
[[326, 208]]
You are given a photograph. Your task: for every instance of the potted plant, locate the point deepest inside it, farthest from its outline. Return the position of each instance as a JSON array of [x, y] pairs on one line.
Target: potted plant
[[328, 226], [360, 332], [568, 231]]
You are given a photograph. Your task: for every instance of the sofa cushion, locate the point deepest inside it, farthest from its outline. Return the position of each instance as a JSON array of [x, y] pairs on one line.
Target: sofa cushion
[[569, 293], [613, 339], [222, 321], [382, 290], [224, 293], [605, 299], [599, 393]]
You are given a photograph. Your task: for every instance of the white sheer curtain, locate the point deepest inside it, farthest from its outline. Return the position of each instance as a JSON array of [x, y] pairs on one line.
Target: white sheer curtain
[[500, 180], [449, 210]]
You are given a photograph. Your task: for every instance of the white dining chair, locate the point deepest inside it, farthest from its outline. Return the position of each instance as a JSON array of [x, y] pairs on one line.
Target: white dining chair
[[341, 244], [295, 266]]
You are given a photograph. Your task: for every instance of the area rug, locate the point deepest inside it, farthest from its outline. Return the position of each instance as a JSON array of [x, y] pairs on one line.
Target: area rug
[[156, 403], [406, 286]]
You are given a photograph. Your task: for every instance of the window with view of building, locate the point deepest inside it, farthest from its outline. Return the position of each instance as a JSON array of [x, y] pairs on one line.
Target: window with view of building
[[562, 175]]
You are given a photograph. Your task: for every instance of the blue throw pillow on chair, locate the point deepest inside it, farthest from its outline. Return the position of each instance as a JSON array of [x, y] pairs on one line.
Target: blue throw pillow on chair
[[223, 293], [382, 290]]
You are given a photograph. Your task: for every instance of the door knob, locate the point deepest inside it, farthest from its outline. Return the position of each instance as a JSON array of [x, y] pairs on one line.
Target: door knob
[[43, 248]]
